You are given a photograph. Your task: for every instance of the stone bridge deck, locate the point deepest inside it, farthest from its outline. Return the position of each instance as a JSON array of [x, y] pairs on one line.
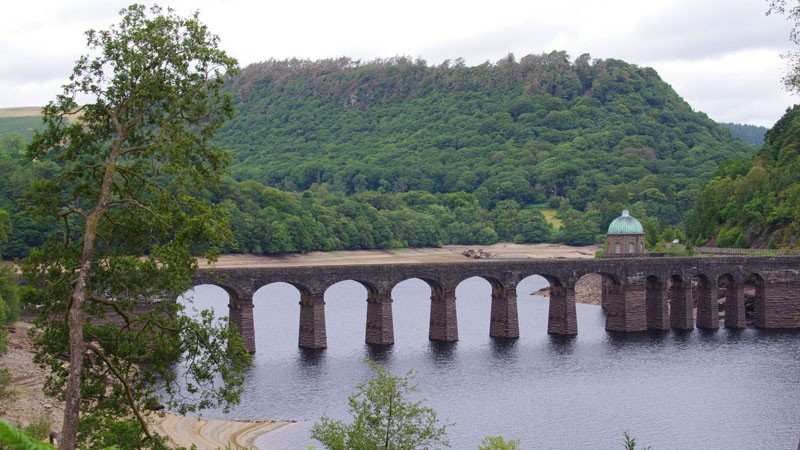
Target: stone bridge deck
[[638, 293]]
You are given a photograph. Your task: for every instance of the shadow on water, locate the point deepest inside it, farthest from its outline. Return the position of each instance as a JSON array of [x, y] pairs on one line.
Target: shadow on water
[[682, 336], [310, 357], [620, 340], [734, 334], [504, 349], [442, 352], [708, 334], [561, 344], [378, 353]]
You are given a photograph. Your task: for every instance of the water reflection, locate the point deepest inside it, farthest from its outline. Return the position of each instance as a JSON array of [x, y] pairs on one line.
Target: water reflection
[[379, 353], [560, 344], [310, 357], [504, 349], [442, 352]]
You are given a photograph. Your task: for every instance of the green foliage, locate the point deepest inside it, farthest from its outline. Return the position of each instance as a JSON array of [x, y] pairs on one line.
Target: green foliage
[[498, 443], [383, 418], [19, 129], [9, 293], [755, 203], [12, 438], [522, 130], [125, 193], [792, 78], [751, 134], [630, 443], [39, 428]]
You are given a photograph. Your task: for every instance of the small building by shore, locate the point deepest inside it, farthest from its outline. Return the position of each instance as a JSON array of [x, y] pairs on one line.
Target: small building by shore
[[625, 237]]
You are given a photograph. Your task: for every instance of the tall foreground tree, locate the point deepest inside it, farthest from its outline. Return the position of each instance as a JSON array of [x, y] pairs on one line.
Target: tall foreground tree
[[128, 142], [791, 9]]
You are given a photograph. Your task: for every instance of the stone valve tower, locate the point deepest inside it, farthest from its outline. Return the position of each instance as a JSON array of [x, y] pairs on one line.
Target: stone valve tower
[[625, 237]]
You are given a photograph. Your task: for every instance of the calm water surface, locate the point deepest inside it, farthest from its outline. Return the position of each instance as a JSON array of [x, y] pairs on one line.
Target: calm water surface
[[673, 390]]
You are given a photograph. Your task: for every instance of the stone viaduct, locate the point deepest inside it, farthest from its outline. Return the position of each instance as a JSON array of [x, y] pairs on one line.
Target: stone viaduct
[[638, 293]]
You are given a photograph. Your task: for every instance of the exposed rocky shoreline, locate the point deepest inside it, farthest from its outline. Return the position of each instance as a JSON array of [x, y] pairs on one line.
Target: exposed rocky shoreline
[[29, 404], [587, 290]]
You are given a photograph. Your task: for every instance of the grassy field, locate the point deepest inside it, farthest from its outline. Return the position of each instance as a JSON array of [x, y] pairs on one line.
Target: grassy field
[[22, 111], [550, 216]]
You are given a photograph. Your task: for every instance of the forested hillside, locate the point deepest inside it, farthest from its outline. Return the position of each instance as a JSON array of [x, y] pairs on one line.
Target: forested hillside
[[755, 203], [751, 134], [591, 131], [338, 154]]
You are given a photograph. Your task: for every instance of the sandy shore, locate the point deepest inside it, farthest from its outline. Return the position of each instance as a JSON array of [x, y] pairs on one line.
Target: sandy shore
[[209, 434], [448, 253]]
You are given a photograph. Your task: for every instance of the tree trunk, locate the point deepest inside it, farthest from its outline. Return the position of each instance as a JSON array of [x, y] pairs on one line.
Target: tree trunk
[[76, 313]]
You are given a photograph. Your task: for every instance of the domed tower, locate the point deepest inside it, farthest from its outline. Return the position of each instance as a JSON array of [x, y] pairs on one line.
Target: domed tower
[[625, 236]]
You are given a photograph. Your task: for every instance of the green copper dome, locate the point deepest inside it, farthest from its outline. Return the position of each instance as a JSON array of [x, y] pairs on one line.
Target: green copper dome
[[625, 224]]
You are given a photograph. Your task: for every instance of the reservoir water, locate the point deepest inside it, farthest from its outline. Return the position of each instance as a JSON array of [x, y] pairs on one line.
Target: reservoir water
[[671, 390]]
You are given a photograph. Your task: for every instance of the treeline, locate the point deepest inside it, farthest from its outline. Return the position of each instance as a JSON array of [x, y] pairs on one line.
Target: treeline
[[265, 220], [754, 203], [752, 134]]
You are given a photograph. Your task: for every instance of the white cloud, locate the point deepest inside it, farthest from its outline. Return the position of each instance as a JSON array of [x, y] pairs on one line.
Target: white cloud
[[721, 57]]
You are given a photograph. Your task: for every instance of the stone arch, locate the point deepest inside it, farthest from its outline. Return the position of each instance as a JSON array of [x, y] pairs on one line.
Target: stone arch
[[208, 296], [754, 293], [731, 301], [704, 299], [595, 287], [656, 304], [680, 303], [240, 311]]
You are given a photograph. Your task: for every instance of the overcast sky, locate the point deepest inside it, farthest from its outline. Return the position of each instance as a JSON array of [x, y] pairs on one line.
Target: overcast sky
[[722, 56]]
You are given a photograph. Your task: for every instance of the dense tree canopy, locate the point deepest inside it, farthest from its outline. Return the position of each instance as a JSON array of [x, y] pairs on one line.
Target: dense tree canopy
[[755, 203], [751, 134], [340, 154], [526, 130]]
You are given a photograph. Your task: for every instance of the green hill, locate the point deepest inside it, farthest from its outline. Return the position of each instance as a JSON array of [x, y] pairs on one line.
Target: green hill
[[755, 203], [594, 132], [338, 154]]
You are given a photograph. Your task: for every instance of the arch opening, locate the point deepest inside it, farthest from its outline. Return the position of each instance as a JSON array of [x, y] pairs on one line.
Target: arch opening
[[704, 302], [730, 301], [411, 299], [474, 306], [206, 297], [344, 312], [754, 299], [276, 305]]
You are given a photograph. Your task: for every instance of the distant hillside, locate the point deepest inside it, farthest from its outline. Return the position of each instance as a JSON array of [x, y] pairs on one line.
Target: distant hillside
[[752, 134], [756, 202], [21, 120], [595, 133]]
